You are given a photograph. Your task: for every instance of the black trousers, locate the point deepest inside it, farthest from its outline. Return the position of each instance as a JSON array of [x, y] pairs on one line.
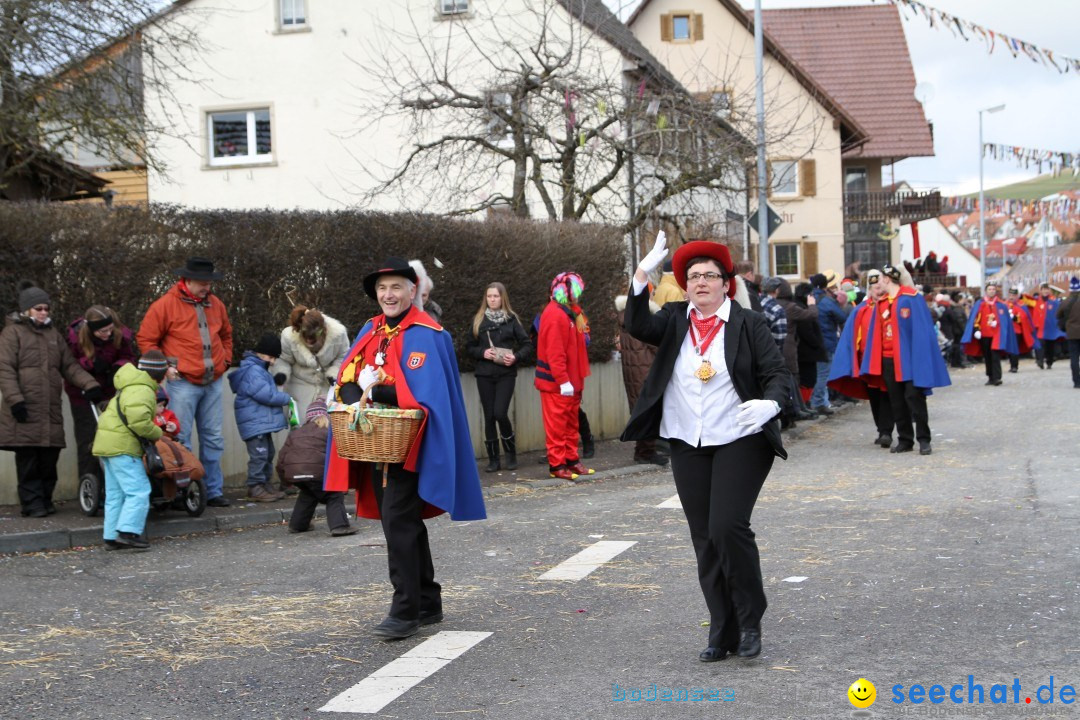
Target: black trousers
[[495, 396], [1014, 362], [908, 403], [881, 409], [408, 554], [36, 471], [991, 359], [718, 486], [309, 496], [584, 431], [956, 355], [85, 429], [1074, 361]]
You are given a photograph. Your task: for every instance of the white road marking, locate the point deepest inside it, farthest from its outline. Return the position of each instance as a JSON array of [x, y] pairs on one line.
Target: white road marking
[[587, 560], [672, 503], [391, 681]]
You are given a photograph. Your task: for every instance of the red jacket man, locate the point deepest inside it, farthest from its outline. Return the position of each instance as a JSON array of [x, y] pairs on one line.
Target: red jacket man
[[562, 365]]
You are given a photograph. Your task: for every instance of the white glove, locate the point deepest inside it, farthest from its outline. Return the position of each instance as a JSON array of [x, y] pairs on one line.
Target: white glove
[[566, 389], [368, 376], [755, 413], [655, 256], [978, 335]]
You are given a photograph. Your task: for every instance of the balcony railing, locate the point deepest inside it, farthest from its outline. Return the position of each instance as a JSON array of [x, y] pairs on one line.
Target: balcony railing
[[907, 206]]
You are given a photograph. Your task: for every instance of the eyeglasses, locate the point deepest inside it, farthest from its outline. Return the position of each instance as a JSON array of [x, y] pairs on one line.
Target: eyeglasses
[[710, 276], [40, 308]]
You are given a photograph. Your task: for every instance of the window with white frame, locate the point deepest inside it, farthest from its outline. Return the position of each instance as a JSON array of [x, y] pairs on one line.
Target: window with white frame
[[721, 103], [785, 177], [292, 14], [453, 7], [500, 107], [786, 259], [239, 137]]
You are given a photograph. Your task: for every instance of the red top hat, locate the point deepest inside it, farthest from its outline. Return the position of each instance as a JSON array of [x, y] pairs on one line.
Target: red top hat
[[703, 248]]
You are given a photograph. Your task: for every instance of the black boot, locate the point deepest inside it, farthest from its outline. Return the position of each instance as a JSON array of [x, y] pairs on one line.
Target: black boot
[[588, 446], [493, 455], [510, 446]]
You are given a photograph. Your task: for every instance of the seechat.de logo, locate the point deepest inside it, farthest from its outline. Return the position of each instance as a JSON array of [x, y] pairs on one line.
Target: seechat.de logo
[[862, 693]]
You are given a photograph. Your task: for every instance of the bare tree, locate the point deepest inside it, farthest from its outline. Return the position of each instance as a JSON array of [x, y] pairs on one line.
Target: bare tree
[[74, 74], [557, 108]]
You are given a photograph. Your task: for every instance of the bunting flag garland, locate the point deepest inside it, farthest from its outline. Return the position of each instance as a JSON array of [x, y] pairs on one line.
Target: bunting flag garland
[[1060, 208], [1028, 157], [968, 29]]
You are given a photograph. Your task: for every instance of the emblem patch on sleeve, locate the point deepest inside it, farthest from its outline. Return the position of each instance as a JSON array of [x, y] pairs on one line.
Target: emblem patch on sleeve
[[905, 312], [416, 360]]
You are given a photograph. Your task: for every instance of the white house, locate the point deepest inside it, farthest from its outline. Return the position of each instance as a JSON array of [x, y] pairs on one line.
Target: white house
[[305, 103], [935, 237]]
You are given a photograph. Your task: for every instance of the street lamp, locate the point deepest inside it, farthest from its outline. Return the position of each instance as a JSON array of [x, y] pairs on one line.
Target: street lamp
[[982, 202]]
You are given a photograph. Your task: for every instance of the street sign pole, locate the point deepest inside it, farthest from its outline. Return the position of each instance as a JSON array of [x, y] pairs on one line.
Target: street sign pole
[[763, 217]]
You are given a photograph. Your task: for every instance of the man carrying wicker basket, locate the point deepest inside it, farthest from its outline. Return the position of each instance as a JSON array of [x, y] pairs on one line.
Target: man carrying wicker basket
[[403, 360]]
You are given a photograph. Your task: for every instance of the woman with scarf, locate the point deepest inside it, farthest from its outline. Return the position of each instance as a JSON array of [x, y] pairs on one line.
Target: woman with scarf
[[101, 345], [498, 344], [562, 364], [713, 392]]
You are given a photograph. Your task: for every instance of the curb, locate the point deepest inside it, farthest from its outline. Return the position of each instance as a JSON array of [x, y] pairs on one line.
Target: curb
[[46, 540]]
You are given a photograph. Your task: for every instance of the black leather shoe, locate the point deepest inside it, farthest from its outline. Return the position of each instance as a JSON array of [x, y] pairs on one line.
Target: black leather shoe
[[431, 618], [996, 383], [806, 416], [898, 448], [654, 459], [749, 644], [712, 654], [219, 501], [1014, 370], [826, 411], [924, 448], [394, 629], [884, 440]]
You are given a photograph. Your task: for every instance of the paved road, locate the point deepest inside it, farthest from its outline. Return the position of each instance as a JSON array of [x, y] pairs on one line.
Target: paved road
[[918, 570]]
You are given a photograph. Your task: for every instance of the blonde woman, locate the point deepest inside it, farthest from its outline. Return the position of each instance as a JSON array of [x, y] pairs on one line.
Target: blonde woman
[[499, 342]]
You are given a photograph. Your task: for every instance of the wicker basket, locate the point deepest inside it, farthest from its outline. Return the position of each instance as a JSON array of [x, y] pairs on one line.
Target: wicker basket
[[374, 434]]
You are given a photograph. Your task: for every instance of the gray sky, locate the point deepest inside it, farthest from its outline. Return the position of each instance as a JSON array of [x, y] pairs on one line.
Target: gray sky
[[1042, 106]]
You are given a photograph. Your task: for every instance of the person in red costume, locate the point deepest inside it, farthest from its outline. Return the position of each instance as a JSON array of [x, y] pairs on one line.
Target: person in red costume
[[1022, 328], [990, 332], [562, 364], [406, 360]]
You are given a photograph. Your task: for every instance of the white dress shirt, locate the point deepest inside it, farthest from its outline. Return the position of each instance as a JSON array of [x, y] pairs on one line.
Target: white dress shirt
[[703, 413]]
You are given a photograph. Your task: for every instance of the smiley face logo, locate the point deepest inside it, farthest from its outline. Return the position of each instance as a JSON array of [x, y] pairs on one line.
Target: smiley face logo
[[862, 693]]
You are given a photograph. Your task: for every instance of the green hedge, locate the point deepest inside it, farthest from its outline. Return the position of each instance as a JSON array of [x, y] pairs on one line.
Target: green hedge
[[122, 257]]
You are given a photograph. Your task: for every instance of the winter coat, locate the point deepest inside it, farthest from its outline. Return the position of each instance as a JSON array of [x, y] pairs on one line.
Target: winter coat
[[668, 291], [510, 335], [137, 397], [797, 316], [1068, 316], [34, 361], [258, 402], [637, 357], [105, 353], [309, 375], [561, 355], [753, 296], [953, 322], [172, 325], [831, 318], [304, 454]]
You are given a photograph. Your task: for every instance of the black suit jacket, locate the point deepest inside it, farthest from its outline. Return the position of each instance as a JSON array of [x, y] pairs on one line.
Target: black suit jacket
[[754, 362]]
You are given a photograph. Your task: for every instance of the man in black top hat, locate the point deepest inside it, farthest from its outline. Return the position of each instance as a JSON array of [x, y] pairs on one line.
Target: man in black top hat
[[407, 360], [190, 325]]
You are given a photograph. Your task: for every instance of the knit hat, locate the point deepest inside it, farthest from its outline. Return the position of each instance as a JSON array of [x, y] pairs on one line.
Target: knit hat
[[32, 295], [317, 408], [1074, 284], [770, 285], [154, 363], [269, 344], [818, 280], [162, 396]]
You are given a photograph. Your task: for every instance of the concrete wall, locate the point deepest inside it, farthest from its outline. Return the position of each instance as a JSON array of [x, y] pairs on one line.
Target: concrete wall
[[604, 401]]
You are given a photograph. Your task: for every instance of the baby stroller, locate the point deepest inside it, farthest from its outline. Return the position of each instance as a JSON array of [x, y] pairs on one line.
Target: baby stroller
[[180, 492]]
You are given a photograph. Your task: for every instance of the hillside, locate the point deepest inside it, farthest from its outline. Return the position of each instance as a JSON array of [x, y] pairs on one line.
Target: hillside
[[1033, 189]]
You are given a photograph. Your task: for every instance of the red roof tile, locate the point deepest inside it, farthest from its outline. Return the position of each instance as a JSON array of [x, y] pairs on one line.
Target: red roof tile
[[860, 56]]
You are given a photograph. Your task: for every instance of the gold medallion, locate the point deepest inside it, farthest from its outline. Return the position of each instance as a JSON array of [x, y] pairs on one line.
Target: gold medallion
[[705, 371]]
